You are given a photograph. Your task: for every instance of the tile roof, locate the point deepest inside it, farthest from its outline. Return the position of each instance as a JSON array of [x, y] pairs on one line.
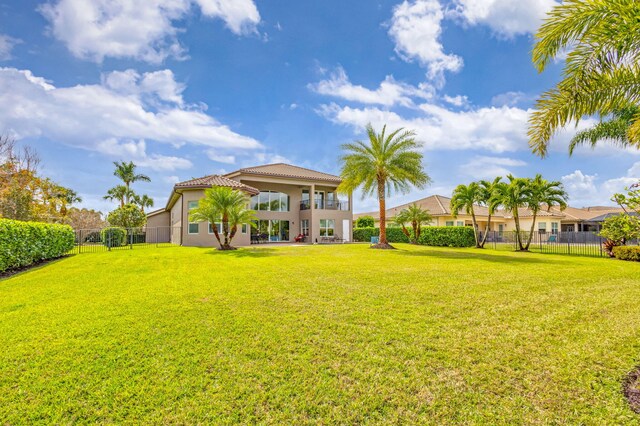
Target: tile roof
[[437, 205], [288, 171], [216, 180], [587, 213]]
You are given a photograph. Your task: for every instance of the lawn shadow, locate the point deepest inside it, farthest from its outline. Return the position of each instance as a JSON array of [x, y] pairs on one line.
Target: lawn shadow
[[487, 256], [34, 267], [244, 252]]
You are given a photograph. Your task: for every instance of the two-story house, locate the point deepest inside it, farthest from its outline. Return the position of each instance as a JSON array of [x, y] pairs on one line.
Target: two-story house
[[288, 201]]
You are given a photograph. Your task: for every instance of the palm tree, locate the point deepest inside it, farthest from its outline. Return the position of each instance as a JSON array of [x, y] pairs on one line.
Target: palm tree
[[614, 130], [143, 201], [467, 197], [416, 216], [512, 196], [489, 198], [601, 75], [544, 194], [383, 163], [127, 173], [226, 205], [119, 193]]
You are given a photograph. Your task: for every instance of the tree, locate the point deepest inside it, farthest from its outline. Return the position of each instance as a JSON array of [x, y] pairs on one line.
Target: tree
[[467, 197], [224, 205], [618, 229], [84, 219], [543, 194], [128, 217], [365, 222], [416, 216], [614, 130], [120, 193], [631, 201], [512, 196], [601, 75], [384, 163], [143, 201], [489, 198]]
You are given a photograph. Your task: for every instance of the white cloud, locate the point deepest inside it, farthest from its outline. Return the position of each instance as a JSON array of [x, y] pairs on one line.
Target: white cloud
[[107, 117], [138, 29], [582, 188], [506, 18], [389, 93], [137, 152], [6, 46], [488, 167], [171, 179], [220, 158], [416, 28], [510, 99], [619, 184], [493, 129], [459, 101]]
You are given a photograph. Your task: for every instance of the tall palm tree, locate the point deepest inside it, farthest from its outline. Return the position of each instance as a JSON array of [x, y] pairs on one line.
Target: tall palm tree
[[490, 199], [384, 163], [467, 197], [143, 201], [119, 193], [512, 196], [544, 194], [416, 216], [601, 74], [226, 205], [127, 174], [615, 130]]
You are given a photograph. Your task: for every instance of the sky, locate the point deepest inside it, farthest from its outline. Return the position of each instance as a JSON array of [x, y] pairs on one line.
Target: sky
[[187, 88]]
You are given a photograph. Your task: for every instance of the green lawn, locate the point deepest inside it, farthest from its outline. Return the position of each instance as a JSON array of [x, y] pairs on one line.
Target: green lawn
[[319, 334]]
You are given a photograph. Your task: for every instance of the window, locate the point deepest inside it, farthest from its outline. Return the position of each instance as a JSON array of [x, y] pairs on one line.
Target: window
[[273, 230], [319, 200], [244, 228], [218, 225], [327, 227], [270, 201], [460, 223], [193, 226], [554, 227], [304, 227], [449, 223], [542, 227]]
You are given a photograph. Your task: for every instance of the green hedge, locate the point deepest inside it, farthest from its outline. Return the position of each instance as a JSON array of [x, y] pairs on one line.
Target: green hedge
[[113, 236], [25, 243], [627, 253], [442, 236]]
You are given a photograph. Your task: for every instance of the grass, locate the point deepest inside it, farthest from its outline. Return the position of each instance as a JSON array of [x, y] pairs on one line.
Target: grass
[[317, 334]]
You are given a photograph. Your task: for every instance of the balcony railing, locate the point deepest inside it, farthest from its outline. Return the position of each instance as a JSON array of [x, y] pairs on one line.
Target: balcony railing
[[325, 205]]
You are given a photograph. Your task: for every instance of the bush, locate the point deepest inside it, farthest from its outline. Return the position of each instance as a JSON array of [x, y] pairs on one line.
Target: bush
[[365, 222], [627, 253], [25, 243], [441, 236], [447, 236], [113, 236], [129, 216]]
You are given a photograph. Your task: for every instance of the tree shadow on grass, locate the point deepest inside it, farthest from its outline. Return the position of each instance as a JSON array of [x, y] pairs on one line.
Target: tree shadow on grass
[[487, 256], [34, 267], [244, 252]]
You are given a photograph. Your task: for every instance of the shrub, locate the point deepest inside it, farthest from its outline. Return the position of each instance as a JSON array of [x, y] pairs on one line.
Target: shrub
[[447, 236], [25, 243], [365, 222], [113, 236], [627, 253], [442, 236], [129, 216]]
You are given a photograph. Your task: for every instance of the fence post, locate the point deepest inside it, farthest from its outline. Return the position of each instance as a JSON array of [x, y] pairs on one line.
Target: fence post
[[156, 236], [131, 239]]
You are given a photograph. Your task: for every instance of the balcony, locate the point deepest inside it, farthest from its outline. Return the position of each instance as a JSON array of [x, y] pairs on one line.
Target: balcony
[[325, 205]]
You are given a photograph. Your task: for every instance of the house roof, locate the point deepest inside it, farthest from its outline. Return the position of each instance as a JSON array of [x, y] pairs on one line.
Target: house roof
[[437, 205], [605, 216], [586, 213], [287, 171], [215, 180]]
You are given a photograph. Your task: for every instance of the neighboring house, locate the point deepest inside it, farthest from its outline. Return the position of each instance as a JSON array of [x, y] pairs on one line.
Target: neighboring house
[[572, 219], [288, 201]]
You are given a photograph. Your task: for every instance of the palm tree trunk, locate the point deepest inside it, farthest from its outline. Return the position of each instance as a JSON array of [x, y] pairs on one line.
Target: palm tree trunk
[[416, 231], [475, 228], [217, 235], [516, 219], [486, 232], [383, 214], [533, 226]]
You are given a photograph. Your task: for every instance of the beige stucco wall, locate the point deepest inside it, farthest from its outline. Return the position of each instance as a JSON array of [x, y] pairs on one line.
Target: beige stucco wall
[[159, 228], [176, 222]]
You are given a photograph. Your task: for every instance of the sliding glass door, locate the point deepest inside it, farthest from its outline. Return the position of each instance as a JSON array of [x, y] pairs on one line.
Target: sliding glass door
[[272, 230]]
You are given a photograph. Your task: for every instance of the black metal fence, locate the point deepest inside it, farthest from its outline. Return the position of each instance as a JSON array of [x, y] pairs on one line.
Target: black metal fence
[[573, 243], [96, 240]]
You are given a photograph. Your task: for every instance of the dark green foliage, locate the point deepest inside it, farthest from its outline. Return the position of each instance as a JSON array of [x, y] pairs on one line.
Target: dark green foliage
[[627, 253], [441, 236], [129, 216], [25, 243], [447, 236], [113, 236], [365, 222]]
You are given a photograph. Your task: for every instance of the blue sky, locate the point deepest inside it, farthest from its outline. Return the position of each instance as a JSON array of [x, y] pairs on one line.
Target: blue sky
[[187, 88]]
